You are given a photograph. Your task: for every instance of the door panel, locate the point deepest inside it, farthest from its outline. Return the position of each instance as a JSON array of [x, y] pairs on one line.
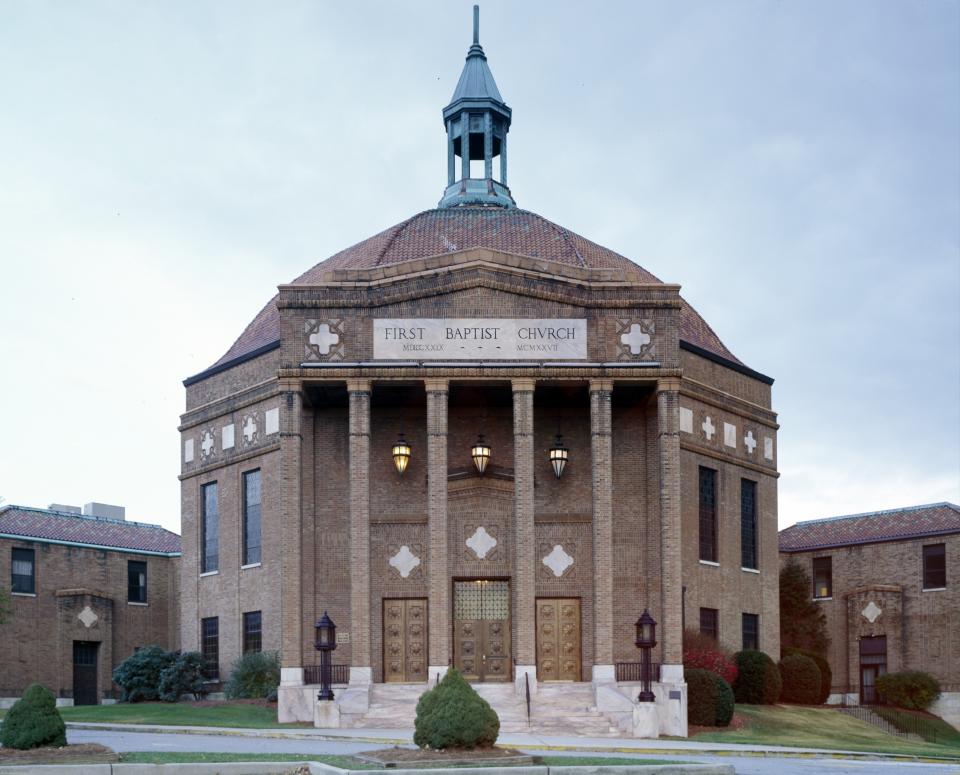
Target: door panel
[[481, 629], [85, 673], [404, 640], [558, 639]]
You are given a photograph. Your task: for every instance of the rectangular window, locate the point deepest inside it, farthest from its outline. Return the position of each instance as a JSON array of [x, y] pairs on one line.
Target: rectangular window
[[709, 622], [748, 524], [252, 631], [751, 631], [210, 647], [823, 577], [251, 517], [708, 514], [935, 566], [22, 571], [136, 581], [210, 530]]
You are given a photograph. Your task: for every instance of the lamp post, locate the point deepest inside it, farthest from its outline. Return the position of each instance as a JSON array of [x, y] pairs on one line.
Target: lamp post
[[646, 640], [325, 643]]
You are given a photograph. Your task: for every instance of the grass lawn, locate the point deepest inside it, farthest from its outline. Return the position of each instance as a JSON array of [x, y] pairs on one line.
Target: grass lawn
[[210, 714], [344, 762], [807, 727]]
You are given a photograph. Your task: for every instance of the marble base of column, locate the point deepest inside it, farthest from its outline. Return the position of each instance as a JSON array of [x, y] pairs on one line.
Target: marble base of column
[[436, 672], [604, 674], [522, 675], [291, 676]]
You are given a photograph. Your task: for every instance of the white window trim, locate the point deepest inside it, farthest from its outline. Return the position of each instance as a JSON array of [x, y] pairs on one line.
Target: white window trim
[[23, 594], [251, 565], [711, 563], [750, 570], [926, 589], [134, 602], [816, 599], [210, 573]]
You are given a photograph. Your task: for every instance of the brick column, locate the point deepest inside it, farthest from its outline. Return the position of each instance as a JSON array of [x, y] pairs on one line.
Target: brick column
[[524, 544], [438, 575], [601, 391], [360, 665], [670, 629], [291, 575]]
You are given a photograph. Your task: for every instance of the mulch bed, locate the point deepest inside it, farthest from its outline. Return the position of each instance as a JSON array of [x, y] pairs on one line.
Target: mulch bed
[[737, 722], [401, 757], [88, 753]]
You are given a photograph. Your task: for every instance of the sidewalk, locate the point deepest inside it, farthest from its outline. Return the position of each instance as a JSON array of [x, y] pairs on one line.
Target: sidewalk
[[519, 740]]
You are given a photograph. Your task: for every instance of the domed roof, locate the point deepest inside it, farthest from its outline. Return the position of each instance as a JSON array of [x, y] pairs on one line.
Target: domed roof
[[435, 232]]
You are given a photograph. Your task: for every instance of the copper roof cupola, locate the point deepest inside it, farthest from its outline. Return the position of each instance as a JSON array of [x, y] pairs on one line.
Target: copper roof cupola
[[477, 121]]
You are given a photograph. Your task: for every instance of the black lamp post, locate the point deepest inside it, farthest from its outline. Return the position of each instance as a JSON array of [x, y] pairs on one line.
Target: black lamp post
[[646, 640], [325, 643]]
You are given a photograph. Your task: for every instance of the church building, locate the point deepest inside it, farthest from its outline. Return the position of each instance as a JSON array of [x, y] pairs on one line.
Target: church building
[[478, 439]]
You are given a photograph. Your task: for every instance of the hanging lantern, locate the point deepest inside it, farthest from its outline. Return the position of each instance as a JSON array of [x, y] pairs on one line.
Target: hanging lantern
[[559, 455], [401, 454], [480, 452]]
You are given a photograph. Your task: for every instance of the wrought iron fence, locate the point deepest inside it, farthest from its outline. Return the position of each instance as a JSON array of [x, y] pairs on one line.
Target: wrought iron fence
[[633, 671], [871, 708], [340, 674]]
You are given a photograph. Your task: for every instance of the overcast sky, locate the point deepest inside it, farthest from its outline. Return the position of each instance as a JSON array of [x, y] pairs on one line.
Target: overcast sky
[[793, 165]]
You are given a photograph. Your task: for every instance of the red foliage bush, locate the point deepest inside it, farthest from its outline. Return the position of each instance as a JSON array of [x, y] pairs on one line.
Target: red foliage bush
[[702, 652]]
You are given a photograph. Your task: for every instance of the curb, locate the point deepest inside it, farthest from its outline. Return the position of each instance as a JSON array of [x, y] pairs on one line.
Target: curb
[[762, 754]]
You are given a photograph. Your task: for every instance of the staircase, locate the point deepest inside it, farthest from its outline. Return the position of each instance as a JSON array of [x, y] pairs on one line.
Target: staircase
[[556, 709]]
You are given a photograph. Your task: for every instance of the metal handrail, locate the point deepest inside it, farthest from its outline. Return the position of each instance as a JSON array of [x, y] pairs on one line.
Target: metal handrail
[[526, 680]]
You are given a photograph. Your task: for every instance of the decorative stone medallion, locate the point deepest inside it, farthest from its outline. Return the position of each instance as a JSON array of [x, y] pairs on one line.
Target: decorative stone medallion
[[749, 442], [636, 339], [708, 427], [324, 340], [730, 435], [558, 561], [188, 451], [88, 617], [767, 448], [686, 420], [872, 612], [207, 444], [249, 430], [228, 436], [271, 421], [481, 542], [404, 561]]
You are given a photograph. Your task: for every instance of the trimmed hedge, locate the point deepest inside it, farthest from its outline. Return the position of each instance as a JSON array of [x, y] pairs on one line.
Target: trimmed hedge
[[910, 689], [453, 715], [255, 674], [709, 698], [33, 721], [801, 680], [826, 674], [758, 679]]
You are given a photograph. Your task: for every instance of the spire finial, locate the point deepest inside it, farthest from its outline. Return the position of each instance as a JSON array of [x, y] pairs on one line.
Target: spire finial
[[476, 25]]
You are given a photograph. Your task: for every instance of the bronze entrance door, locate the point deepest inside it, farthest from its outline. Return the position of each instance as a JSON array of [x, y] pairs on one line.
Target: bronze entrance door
[[481, 629], [404, 640], [558, 639]]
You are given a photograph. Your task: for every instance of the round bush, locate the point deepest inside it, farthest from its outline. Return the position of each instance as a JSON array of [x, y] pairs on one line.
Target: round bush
[[139, 674], [33, 721], [758, 680], [826, 674], [709, 698], [910, 689], [801, 680], [453, 715], [255, 674], [183, 676]]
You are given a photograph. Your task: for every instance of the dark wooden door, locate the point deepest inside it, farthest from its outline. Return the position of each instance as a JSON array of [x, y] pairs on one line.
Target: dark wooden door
[[873, 664], [558, 639], [85, 673], [404, 640], [481, 629]]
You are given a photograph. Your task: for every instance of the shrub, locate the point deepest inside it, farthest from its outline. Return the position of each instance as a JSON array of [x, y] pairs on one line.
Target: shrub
[[255, 674], [758, 680], [801, 680], [139, 674], [702, 652], [453, 715], [910, 689], [182, 676], [709, 698], [826, 674], [33, 721]]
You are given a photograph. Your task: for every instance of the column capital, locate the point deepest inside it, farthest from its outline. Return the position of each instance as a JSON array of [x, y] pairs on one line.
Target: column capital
[[668, 384], [358, 385], [601, 385], [523, 385], [436, 385], [290, 385]]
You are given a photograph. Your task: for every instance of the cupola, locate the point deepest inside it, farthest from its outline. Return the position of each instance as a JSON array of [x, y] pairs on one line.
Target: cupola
[[477, 121]]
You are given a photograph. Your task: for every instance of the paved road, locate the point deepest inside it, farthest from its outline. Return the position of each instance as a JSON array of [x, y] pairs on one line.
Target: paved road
[[745, 765]]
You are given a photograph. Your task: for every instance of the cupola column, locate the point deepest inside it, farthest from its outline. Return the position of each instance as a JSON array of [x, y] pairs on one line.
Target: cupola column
[[487, 145], [359, 452], [451, 155], [503, 159], [438, 578], [524, 548], [464, 146], [601, 443]]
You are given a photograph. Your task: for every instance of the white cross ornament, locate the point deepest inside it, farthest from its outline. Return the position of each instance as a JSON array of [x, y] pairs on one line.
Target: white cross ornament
[[636, 339], [749, 442], [481, 542], [404, 561], [249, 428], [207, 444], [708, 428], [323, 338], [558, 560]]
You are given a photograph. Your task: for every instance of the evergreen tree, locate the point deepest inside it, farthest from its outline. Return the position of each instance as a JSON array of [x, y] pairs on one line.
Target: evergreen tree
[[802, 623]]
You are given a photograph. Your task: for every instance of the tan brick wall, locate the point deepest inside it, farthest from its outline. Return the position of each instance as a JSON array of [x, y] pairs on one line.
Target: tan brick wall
[[37, 645]]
